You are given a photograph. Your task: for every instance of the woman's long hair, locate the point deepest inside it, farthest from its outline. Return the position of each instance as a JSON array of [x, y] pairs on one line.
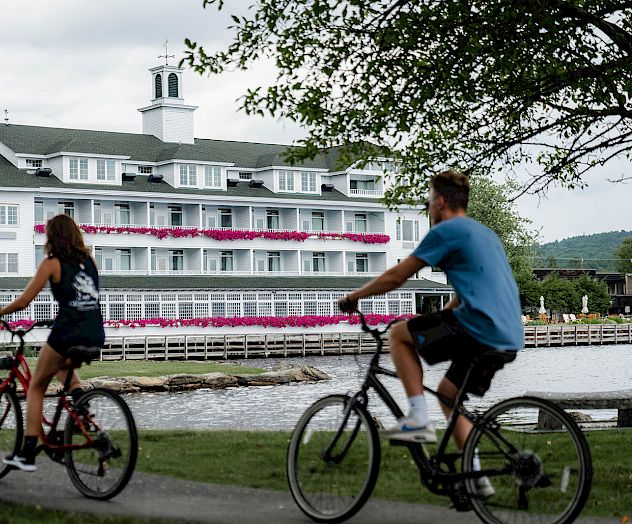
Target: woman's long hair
[[65, 241]]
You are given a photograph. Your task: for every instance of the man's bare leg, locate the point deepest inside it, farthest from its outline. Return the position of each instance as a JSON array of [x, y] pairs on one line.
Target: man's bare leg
[[463, 426], [405, 358]]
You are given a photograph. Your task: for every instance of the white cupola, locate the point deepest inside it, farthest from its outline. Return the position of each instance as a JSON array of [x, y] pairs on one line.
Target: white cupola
[[168, 117]]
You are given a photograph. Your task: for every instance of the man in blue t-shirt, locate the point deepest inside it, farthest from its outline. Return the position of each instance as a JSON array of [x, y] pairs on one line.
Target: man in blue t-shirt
[[483, 315]]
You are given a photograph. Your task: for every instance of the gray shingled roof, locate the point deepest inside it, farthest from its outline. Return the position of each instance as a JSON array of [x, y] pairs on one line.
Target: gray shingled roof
[[10, 176], [220, 282], [38, 140]]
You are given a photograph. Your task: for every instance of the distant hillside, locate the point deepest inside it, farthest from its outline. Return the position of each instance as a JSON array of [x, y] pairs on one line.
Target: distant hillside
[[592, 248]]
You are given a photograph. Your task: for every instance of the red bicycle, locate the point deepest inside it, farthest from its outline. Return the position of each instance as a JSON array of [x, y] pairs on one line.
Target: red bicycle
[[98, 443]]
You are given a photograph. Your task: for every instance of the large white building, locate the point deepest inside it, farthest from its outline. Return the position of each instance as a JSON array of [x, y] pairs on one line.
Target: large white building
[[183, 227]]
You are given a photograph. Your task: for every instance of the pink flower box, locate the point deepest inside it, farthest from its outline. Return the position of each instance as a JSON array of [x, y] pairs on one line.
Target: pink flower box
[[227, 234]]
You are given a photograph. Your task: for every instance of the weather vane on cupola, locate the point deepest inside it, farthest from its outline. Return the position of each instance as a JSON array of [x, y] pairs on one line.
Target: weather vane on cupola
[[166, 56]]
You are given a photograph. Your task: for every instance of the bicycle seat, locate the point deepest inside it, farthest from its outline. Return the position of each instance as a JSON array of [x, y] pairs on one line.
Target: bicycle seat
[[83, 354]]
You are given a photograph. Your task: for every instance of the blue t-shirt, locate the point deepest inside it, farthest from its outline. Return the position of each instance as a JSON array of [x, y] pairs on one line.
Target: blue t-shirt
[[473, 258]]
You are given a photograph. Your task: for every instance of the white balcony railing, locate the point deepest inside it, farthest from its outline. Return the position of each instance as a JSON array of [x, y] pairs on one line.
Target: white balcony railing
[[366, 192]]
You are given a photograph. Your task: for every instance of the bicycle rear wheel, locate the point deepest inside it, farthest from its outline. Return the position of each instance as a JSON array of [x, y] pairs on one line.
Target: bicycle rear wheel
[[333, 459], [545, 458], [103, 469], [11, 427]]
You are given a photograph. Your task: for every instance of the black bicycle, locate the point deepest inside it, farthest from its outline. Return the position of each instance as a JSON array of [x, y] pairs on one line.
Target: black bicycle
[[533, 453]]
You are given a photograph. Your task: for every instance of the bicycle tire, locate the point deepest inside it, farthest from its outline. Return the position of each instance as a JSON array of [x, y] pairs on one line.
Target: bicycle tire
[[110, 423], [551, 476], [11, 427], [314, 481]]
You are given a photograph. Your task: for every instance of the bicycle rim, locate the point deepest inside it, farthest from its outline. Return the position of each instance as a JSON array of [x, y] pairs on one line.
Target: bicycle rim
[[104, 469], [11, 427], [333, 459], [548, 469]]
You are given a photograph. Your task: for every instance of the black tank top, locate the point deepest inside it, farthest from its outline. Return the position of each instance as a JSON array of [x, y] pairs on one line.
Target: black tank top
[[77, 293]]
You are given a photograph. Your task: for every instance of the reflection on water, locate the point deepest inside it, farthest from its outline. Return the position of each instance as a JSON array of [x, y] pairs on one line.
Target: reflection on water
[[582, 368]]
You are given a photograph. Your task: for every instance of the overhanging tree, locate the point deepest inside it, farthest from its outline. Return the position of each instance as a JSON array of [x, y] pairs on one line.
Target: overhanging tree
[[623, 256], [541, 84]]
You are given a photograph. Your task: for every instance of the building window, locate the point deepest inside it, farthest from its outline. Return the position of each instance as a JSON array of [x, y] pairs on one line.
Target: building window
[[67, 208], [105, 170], [38, 208], [39, 255], [362, 263], [175, 215], [212, 176], [8, 215], [158, 84], [188, 175], [172, 81], [407, 230], [152, 258], [97, 212], [286, 180], [318, 262], [272, 219], [145, 170], [177, 260], [98, 256], [362, 184], [274, 261], [78, 169], [226, 262], [123, 215], [33, 162], [226, 217], [8, 262], [124, 257], [308, 182], [318, 221], [360, 223], [245, 175]]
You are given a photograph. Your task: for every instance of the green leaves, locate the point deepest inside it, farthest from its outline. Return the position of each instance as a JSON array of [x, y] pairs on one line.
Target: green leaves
[[487, 85]]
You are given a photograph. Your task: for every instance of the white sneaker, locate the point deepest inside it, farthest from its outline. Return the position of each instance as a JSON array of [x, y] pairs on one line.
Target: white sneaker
[[484, 487], [20, 462], [408, 429]]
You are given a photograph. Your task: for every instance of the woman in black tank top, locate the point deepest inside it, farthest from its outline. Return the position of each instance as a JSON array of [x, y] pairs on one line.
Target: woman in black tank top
[[74, 281]]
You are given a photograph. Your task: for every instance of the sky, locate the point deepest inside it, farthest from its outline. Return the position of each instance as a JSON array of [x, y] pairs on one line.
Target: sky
[[85, 65]]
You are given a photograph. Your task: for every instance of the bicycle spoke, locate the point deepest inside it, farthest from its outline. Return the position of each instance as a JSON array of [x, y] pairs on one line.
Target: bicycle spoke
[[548, 465], [102, 469]]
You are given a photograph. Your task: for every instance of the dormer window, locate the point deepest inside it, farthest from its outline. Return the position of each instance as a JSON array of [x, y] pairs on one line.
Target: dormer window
[[286, 180], [145, 170], [173, 85], [106, 170], [212, 176], [78, 169], [33, 162], [308, 182], [158, 85], [188, 175]]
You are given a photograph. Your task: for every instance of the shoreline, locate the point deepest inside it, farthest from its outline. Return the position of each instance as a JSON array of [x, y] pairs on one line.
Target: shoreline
[[191, 381]]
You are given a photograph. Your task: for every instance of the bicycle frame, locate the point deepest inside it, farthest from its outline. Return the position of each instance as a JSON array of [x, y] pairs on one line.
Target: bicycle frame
[[429, 466], [21, 372]]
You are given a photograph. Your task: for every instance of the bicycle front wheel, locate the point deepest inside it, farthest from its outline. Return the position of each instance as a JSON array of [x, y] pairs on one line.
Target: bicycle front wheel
[[103, 468], [11, 428], [333, 459], [538, 461]]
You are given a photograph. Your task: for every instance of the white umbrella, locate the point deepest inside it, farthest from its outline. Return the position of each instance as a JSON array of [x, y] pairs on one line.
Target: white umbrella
[[542, 310]]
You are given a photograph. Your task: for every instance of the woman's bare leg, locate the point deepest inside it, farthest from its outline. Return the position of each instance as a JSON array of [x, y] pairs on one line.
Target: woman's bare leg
[[48, 365]]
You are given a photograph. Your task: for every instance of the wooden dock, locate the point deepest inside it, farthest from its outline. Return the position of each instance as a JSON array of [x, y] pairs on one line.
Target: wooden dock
[[280, 345], [577, 335]]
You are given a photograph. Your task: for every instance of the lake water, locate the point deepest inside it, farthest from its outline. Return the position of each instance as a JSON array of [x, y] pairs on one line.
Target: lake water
[[567, 369]]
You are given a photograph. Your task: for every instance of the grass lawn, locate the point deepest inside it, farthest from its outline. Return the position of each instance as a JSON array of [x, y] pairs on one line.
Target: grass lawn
[[148, 368], [257, 459]]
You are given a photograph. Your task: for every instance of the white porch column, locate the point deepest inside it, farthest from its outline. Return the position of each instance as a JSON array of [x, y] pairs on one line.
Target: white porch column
[[92, 211], [252, 261], [441, 301]]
